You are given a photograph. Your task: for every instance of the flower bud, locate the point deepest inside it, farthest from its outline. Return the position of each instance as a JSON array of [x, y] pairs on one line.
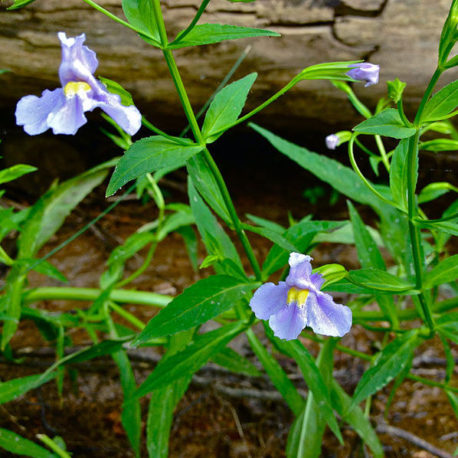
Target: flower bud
[[366, 72]]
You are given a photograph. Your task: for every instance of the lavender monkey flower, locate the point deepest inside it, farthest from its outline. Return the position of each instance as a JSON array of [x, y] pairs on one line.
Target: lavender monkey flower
[[63, 109], [365, 72], [332, 141], [298, 302]]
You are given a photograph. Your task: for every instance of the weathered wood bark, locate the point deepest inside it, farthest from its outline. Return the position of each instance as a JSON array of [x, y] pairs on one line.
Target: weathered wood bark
[[400, 35]]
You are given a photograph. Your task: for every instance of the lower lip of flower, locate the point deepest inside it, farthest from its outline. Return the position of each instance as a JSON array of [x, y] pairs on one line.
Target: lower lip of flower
[[297, 296], [73, 87]]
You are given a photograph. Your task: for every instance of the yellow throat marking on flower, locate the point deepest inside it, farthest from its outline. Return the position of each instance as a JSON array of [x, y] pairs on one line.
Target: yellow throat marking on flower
[[299, 296], [73, 87]]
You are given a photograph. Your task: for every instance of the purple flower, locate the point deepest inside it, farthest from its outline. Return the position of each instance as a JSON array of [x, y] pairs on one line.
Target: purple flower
[[364, 72], [332, 141], [63, 109], [298, 302]]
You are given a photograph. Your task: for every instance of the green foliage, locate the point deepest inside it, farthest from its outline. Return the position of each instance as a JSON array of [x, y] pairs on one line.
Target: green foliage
[[387, 123], [206, 185], [14, 388], [446, 271], [199, 303], [19, 4], [163, 402], [191, 359], [18, 445], [149, 155], [395, 89], [140, 14], [441, 103], [226, 107], [216, 241], [276, 374], [314, 379], [306, 433], [14, 172], [205, 34], [388, 364], [235, 362]]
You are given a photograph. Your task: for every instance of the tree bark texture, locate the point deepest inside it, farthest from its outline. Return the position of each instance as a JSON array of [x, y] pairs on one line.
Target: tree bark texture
[[399, 35]]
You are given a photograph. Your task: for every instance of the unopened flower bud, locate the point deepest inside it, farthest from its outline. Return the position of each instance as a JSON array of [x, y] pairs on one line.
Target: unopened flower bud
[[364, 72]]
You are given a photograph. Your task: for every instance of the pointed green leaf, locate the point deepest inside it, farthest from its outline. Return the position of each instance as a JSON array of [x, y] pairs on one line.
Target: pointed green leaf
[[14, 388], [205, 34], [226, 107], [276, 374], [235, 362], [390, 362], [205, 183], [131, 413], [312, 377], [149, 155], [216, 241], [356, 419], [379, 280], [17, 171], [50, 211], [197, 304], [446, 271], [191, 359], [441, 103], [19, 4], [368, 252], [20, 446], [141, 15], [387, 123], [398, 174], [163, 402], [306, 435], [341, 178]]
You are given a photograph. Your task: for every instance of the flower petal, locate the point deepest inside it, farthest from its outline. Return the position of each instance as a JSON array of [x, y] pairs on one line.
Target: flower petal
[[78, 61], [288, 322], [369, 73], [326, 317], [32, 112], [128, 118], [269, 299], [69, 117], [317, 280], [300, 270]]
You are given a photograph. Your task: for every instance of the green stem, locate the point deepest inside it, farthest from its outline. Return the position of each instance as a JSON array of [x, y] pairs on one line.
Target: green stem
[[193, 23], [53, 446], [233, 214], [160, 132], [426, 95], [91, 294], [351, 155], [198, 136], [278, 94], [141, 269], [120, 21], [381, 148], [415, 236], [127, 316]]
